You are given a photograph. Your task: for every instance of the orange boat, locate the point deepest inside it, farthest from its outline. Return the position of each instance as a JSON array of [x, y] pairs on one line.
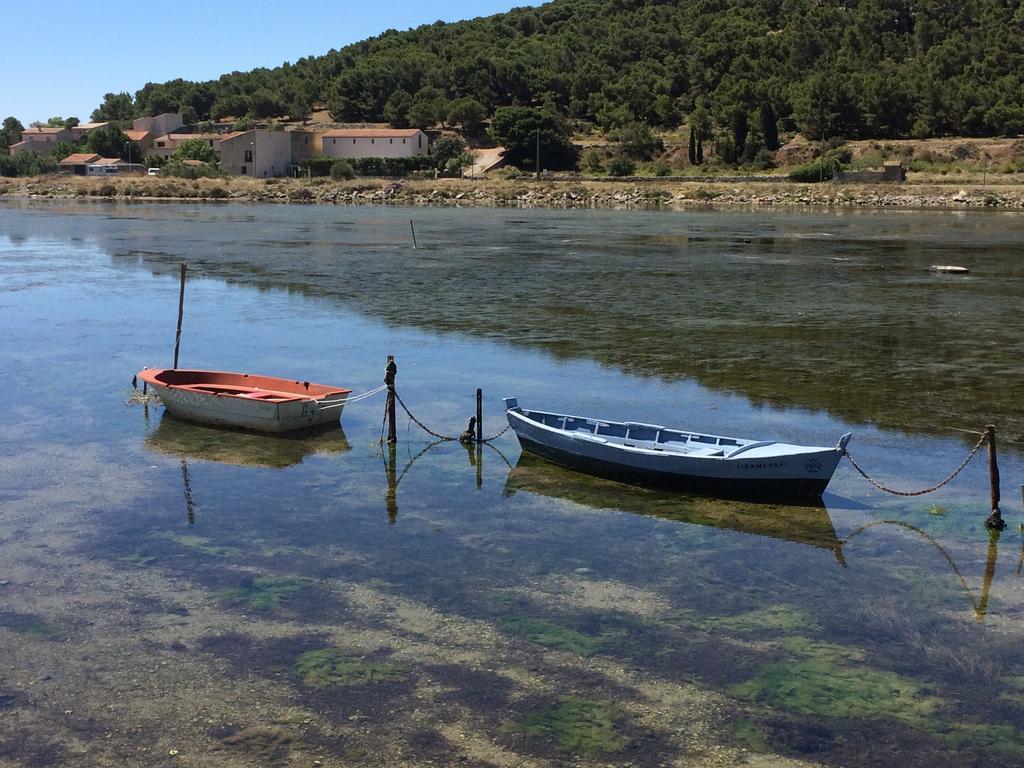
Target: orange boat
[[248, 401]]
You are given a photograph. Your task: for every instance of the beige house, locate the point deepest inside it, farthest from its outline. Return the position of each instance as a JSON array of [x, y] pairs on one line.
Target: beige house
[[165, 145], [305, 145], [375, 142], [160, 125], [257, 153], [41, 139], [143, 138], [81, 129]]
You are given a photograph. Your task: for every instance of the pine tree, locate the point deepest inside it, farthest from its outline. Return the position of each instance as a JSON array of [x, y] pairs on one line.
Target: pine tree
[[769, 127]]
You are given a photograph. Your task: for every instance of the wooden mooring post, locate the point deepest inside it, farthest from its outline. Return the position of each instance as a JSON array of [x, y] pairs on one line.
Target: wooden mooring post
[[389, 379], [479, 415], [995, 518], [181, 310]]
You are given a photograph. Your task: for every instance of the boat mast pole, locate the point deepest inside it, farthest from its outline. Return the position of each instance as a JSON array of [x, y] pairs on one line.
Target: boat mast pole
[[181, 309]]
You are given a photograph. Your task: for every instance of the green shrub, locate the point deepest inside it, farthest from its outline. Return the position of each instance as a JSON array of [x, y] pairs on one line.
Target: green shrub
[[391, 166], [812, 172], [318, 166], [189, 171], [342, 170], [592, 161], [26, 164], [620, 165]]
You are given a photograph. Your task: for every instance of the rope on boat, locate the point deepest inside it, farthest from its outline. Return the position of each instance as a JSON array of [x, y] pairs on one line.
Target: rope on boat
[[364, 395], [957, 471], [438, 435]]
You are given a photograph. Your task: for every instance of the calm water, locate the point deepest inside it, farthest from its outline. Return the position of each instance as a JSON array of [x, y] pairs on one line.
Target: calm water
[[178, 595]]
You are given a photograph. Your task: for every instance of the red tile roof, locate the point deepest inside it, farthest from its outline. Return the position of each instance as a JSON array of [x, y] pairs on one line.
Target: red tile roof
[[44, 129], [79, 158], [135, 135]]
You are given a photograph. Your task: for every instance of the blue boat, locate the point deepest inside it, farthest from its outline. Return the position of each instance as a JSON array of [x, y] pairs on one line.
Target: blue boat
[[676, 459]]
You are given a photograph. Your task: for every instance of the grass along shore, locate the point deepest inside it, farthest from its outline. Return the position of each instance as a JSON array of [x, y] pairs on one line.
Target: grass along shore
[[526, 192]]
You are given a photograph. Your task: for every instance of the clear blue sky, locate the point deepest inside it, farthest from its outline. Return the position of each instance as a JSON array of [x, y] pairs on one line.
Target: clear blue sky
[[59, 57]]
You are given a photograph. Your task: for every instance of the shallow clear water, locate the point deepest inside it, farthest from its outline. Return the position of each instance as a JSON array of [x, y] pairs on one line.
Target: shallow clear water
[[239, 599]]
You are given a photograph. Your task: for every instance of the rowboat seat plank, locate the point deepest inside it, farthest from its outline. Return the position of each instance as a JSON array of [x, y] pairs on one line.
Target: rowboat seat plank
[[706, 451]]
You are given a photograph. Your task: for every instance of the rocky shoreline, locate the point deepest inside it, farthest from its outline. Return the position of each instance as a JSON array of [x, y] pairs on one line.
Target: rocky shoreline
[[647, 194]]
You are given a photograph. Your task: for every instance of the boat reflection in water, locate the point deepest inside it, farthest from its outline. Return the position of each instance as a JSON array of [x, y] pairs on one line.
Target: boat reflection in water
[[808, 524], [226, 446]]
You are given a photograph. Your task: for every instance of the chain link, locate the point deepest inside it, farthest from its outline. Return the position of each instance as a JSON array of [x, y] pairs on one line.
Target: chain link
[[438, 435], [495, 437], [957, 471], [419, 423]]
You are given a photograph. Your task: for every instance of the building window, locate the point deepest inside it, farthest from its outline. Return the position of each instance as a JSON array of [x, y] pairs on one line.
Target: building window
[[244, 171], [248, 156], [419, 141], [372, 141], [403, 141], [391, 141], [353, 141]]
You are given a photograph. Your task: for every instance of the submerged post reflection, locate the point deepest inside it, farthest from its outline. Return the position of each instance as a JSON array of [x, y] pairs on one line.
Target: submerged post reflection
[[391, 497], [190, 505]]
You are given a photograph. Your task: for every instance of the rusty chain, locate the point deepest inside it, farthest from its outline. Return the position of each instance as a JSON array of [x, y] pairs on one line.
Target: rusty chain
[[957, 471], [438, 435]]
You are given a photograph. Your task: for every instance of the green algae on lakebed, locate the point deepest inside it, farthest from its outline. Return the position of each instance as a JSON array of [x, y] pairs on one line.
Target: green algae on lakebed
[[832, 681], [334, 666], [772, 618], [263, 594], [558, 637], [200, 544], [580, 726]]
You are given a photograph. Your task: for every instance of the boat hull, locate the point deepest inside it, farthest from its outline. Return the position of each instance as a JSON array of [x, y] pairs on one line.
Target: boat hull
[[731, 486], [794, 473], [257, 403]]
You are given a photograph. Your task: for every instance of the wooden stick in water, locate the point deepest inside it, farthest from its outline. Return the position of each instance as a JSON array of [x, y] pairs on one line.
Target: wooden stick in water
[[181, 310]]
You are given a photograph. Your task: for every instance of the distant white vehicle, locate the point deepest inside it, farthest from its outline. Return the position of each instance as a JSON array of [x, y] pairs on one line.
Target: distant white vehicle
[[152, 171]]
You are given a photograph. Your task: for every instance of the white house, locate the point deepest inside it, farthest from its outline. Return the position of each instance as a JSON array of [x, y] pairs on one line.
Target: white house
[[375, 142], [160, 125], [257, 153]]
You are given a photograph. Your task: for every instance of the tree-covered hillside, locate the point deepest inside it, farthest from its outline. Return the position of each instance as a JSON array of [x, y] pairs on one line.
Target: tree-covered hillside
[[852, 68]]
